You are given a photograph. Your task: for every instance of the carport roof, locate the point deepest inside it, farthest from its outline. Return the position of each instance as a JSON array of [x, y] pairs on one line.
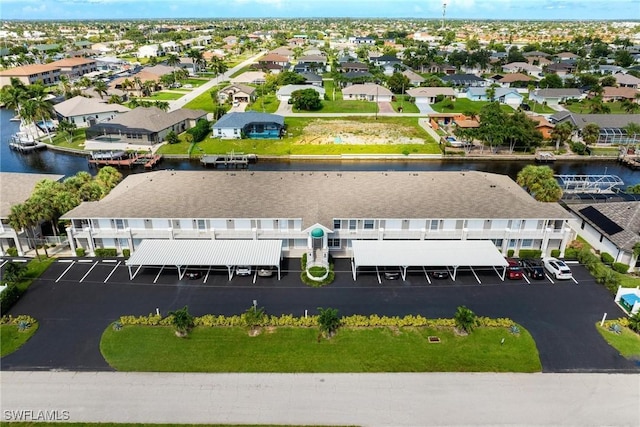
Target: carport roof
[[207, 252], [433, 253]]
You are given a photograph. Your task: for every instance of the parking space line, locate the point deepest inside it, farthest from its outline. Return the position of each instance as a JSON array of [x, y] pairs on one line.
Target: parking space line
[[159, 273], [206, 276], [524, 276], [378, 274], [2, 265], [111, 261], [574, 280], [65, 261], [426, 274], [65, 272], [254, 276], [474, 273], [550, 279], [92, 267], [112, 271], [85, 260]]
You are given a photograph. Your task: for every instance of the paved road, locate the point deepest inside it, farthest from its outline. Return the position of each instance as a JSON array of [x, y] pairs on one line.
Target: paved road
[[344, 399], [74, 308]]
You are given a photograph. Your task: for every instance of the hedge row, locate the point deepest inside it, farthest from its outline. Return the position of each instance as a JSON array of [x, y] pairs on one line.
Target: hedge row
[[212, 320], [9, 297]]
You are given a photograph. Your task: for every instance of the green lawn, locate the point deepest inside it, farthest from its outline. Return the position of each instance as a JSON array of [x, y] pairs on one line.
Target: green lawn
[[241, 70], [201, 102], [267, 104], [12, 339], [407, 107], [195, 82], [462, 105], [300, 142], [285, 349], [604, 151], [582, 107], [539, 108], [163, 96], [626, 342], [62, 139], [341, 106], [35, 268]]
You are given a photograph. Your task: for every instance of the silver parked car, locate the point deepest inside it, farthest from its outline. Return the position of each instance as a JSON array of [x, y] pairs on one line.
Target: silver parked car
[[557, 268]]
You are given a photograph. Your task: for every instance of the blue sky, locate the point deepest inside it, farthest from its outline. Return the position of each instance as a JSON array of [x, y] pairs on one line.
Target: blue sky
[[429, 9]]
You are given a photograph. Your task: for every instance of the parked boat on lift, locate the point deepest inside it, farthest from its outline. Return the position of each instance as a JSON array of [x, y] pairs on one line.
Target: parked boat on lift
[[25, 143], [108, 155]]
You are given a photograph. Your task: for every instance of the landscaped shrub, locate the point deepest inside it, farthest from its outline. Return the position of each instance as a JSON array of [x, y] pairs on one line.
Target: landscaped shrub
[[106, 252], [316, 284], [80, 252], [317, 271], [555, 253], [126, 253], [8, 297], [303, 261], [200, 131], [20, 319], [578, 148], [606, 258], [620, 267], [569, 253], [12, 251], [510, 253], [529, 253]]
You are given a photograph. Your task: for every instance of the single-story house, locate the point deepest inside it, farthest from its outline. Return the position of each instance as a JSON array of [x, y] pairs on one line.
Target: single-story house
[[283, 52], [250, 124], [144, 126], [612, 126], [612, 227], [555, 96], [543, 125], [415, 79], [367, 92], [149, 50], [312, 78], [428, 95], [502, 94], [253, 77], [84, 112], [509, 79], [272, 58], [627, 80], [611, 94], [346, 67], [518, 67], [237, 92], [464, 80], [284, 93], [560, 68]]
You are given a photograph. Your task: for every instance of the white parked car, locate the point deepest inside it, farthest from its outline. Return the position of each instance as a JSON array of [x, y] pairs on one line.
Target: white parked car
[[243, 270], [557, 268]]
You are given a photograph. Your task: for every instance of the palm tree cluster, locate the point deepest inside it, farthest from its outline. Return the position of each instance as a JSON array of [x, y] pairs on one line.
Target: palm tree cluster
[[29, 102], [51, 199], [540, 183]]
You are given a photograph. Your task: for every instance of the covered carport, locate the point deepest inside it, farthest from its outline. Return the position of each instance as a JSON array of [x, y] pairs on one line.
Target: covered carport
[[427, 253], [185, 253]]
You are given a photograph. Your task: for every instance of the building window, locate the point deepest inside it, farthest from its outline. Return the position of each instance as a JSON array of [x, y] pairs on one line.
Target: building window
[[119, 224], [336, 224], [368, 224], [435, 225], [497, 242], [333, 243], [527, 243], [512, 243], [352, 224], [202, 225]]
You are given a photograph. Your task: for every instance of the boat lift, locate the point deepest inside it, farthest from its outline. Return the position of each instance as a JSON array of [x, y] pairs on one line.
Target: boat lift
[[589, 183]]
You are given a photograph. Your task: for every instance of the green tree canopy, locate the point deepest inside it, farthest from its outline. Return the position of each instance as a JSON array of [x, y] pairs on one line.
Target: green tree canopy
[[306, 99], [540, 183]]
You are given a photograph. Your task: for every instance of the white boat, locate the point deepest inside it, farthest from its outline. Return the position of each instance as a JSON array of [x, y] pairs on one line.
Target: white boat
[[108, 155], [25, 143]]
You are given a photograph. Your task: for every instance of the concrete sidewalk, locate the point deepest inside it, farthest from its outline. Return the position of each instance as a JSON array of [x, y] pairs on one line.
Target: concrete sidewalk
[[403, 399]]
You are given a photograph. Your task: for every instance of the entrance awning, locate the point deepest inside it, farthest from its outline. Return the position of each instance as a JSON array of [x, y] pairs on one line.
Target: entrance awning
[[425, 253], [184, 253]]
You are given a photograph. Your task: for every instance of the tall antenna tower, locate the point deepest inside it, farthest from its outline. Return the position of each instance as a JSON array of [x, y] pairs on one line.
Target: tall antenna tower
[[444, 14]]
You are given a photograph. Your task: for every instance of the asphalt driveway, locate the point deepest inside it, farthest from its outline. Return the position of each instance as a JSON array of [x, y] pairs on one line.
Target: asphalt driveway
[[75, 302]]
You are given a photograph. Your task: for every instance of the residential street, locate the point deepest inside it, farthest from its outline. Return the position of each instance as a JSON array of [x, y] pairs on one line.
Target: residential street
[[329, 399]]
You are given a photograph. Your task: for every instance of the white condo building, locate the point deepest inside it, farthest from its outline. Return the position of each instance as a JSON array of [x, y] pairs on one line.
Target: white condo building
[[319, 212]]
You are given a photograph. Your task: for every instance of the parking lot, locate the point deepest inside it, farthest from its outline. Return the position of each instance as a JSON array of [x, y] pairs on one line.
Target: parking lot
[[75, 300]]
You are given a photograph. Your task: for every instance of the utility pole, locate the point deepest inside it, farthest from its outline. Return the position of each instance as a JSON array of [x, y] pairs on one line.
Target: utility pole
[[444, 15]]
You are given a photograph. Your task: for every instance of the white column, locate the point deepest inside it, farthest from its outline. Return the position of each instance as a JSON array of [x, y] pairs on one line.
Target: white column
[[381, 233], [92, 246], [72, 240], [130, 239], [505, 242], [545, 241], [170, 230], [465, 231], [566, 236]]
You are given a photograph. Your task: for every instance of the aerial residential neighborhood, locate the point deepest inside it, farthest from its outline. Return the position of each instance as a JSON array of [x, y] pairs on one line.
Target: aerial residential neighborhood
[[320, 221]]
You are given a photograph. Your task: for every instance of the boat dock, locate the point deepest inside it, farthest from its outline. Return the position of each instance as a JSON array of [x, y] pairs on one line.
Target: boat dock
[[146, 160], [545, 157], [229, 160], [632, 162]]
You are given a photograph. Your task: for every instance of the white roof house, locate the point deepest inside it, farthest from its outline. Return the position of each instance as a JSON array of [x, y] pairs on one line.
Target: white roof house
[[84, 112], [428, 95], [284, 93], [367, 92]]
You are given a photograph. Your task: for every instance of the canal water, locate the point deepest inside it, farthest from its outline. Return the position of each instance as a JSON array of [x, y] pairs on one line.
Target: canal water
[[49, 161]]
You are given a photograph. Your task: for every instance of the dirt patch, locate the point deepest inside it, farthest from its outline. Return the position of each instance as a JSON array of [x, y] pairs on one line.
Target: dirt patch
[[320, 132]]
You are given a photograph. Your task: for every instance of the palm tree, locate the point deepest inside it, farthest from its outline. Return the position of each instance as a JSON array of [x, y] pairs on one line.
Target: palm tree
[[173, 61], [163, 105], [182, 321], [66, 127], [100, 87], [561, 133], [13, 95], [109, 177], [198, 60], [328, 321], [147, 87], [39, 108], [590, 133], [137, 82], [65, 86], [465, 319]]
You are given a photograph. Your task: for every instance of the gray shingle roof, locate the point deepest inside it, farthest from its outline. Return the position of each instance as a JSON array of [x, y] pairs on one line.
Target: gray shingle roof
[[15, 188], [602, 120], [318, 197], [152, 119], [239, 120]]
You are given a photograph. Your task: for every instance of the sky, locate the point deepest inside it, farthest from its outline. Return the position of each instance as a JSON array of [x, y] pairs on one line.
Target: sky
[[427, 9]]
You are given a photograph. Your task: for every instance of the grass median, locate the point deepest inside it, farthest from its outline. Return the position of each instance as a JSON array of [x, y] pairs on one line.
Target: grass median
[[290, 349]]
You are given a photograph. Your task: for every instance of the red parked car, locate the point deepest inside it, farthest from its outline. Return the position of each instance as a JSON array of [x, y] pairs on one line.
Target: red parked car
[[514, 271]]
